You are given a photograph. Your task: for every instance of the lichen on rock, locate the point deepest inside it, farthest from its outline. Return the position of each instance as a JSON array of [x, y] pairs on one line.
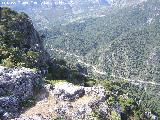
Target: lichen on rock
[[68, 101], [18, 85]]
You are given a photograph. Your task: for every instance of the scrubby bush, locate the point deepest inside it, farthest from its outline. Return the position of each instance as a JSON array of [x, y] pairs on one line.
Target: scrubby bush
[[115, 115], [13, 50]]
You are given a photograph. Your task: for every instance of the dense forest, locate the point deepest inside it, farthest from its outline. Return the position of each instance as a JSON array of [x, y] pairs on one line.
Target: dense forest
[[125, 42], [124, 45]]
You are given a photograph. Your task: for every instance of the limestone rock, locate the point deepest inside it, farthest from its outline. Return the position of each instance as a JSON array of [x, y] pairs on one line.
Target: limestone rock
[[80, 102], [67, 101], [17, 85], [67, 91]]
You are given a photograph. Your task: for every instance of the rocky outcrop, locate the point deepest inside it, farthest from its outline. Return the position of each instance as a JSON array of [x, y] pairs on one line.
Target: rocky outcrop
[[31, 41], [68, 101], [67, 92], [17, 86], [18, 34]]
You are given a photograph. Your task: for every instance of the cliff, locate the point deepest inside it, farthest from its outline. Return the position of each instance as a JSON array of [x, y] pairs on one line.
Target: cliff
[[22, 59], [20, 43]]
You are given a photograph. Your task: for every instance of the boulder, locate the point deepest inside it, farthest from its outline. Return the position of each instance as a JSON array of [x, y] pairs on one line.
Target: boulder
[[9, 103], [103, 111], [70, 102], [78, 102], [67, 91], [16, 85]]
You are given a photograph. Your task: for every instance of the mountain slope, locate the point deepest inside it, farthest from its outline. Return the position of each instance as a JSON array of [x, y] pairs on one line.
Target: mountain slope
[[122, 46], [20, 49], [20, 43], [124, 43], [56, 11]]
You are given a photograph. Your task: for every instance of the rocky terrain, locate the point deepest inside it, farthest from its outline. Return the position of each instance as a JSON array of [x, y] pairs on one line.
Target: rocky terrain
[[17, 86], [23, 64], [20, 45], [22, 60], [67, 101]]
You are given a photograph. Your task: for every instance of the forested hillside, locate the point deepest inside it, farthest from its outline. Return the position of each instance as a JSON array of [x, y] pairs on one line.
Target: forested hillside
[[117, 46], [124, 43], [47, 13], [20, 44]]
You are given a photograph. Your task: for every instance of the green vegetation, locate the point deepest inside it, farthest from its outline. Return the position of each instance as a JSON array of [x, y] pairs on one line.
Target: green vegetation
[[54, 81], [125, 44], [60, 70], [12, 40], [60, 118], [132, 100], [128, 44], [115, 116]]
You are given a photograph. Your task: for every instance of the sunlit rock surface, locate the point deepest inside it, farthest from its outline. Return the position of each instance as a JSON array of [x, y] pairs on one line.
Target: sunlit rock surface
[[68, 101], [16, 86]]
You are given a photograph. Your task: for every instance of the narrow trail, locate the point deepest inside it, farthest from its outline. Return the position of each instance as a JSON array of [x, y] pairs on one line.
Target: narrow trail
[[98, 71], [138, 81], [80, 60]]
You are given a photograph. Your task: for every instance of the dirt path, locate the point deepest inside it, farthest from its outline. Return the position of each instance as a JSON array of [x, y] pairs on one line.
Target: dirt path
[[46, 105], [43, 106]]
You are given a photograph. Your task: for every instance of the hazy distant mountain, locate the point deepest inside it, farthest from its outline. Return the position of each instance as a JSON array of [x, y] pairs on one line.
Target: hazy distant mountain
[[123, 3], [46, 13], [74, 4]]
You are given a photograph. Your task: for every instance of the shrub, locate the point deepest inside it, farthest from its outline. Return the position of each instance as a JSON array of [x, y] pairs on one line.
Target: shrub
[[115, 115], [32, 54], [8, 62]]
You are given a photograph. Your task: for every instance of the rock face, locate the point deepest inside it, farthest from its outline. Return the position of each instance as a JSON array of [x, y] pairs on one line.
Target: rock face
[[18, 34], [78, 101], [70, 102], [17, 85], [66, 91]]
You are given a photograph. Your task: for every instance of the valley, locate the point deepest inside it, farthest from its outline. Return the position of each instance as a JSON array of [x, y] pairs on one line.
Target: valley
[[95, 69], [113, 43]]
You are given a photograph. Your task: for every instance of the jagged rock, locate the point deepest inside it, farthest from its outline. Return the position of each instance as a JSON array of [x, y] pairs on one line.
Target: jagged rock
[[80, 104], [35, 117], [103, 111], [18, 85], [94, 96], [2, 92], [19, 82], [9, 103], [67, 91], [7, 116], [2, 111], [49, 87]]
